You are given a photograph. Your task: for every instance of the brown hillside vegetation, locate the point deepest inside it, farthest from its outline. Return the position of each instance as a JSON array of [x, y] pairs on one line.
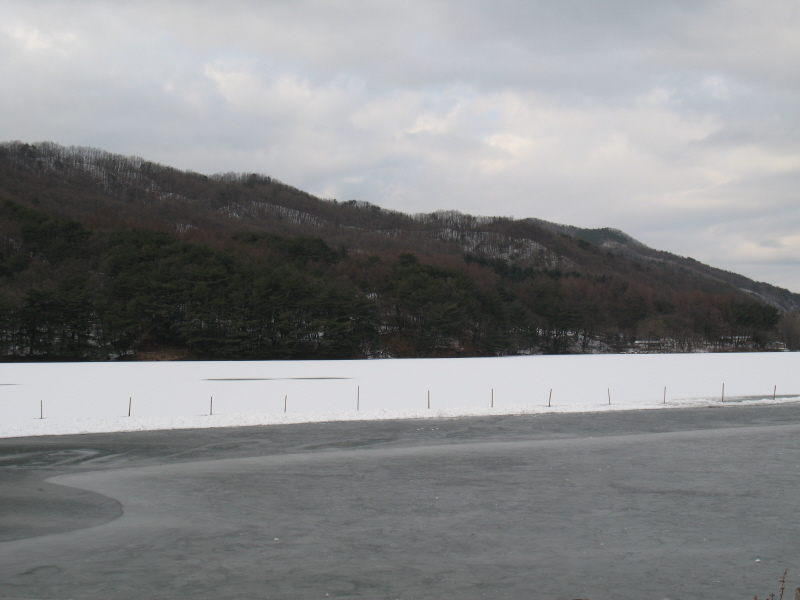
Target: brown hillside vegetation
[[105, 256]]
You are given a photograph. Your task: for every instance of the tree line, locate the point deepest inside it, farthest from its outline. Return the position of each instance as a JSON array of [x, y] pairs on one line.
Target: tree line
[[71, 292]]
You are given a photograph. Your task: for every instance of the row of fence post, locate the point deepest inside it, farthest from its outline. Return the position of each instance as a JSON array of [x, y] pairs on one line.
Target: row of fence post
[[358, 400]]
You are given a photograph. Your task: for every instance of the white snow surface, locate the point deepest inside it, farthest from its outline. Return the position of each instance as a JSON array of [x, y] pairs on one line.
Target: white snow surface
[[94, 397]]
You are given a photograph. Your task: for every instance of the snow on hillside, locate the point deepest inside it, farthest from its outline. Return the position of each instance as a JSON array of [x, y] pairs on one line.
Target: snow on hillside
[[95, 397]]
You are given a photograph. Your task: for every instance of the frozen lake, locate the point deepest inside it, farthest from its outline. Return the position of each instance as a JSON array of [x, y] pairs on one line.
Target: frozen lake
[[603, 503], [95, 397], [623, 505]]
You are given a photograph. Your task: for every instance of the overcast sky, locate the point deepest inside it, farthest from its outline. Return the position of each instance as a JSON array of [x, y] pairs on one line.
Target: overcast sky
[[675, 121]]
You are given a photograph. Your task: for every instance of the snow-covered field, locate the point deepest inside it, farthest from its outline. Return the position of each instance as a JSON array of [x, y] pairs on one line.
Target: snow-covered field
[[95, 397]]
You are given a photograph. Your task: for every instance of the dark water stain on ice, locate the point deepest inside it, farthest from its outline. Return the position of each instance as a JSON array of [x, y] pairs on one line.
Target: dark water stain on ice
[[273, 378]]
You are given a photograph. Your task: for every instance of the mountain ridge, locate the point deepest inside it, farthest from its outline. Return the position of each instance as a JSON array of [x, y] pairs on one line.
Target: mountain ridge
[[233, 212]]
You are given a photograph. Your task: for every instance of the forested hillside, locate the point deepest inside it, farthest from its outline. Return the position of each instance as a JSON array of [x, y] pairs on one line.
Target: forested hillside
[[106, 257]]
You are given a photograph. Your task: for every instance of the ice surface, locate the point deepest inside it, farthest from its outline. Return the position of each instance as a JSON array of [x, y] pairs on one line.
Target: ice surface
[[94, 397]]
